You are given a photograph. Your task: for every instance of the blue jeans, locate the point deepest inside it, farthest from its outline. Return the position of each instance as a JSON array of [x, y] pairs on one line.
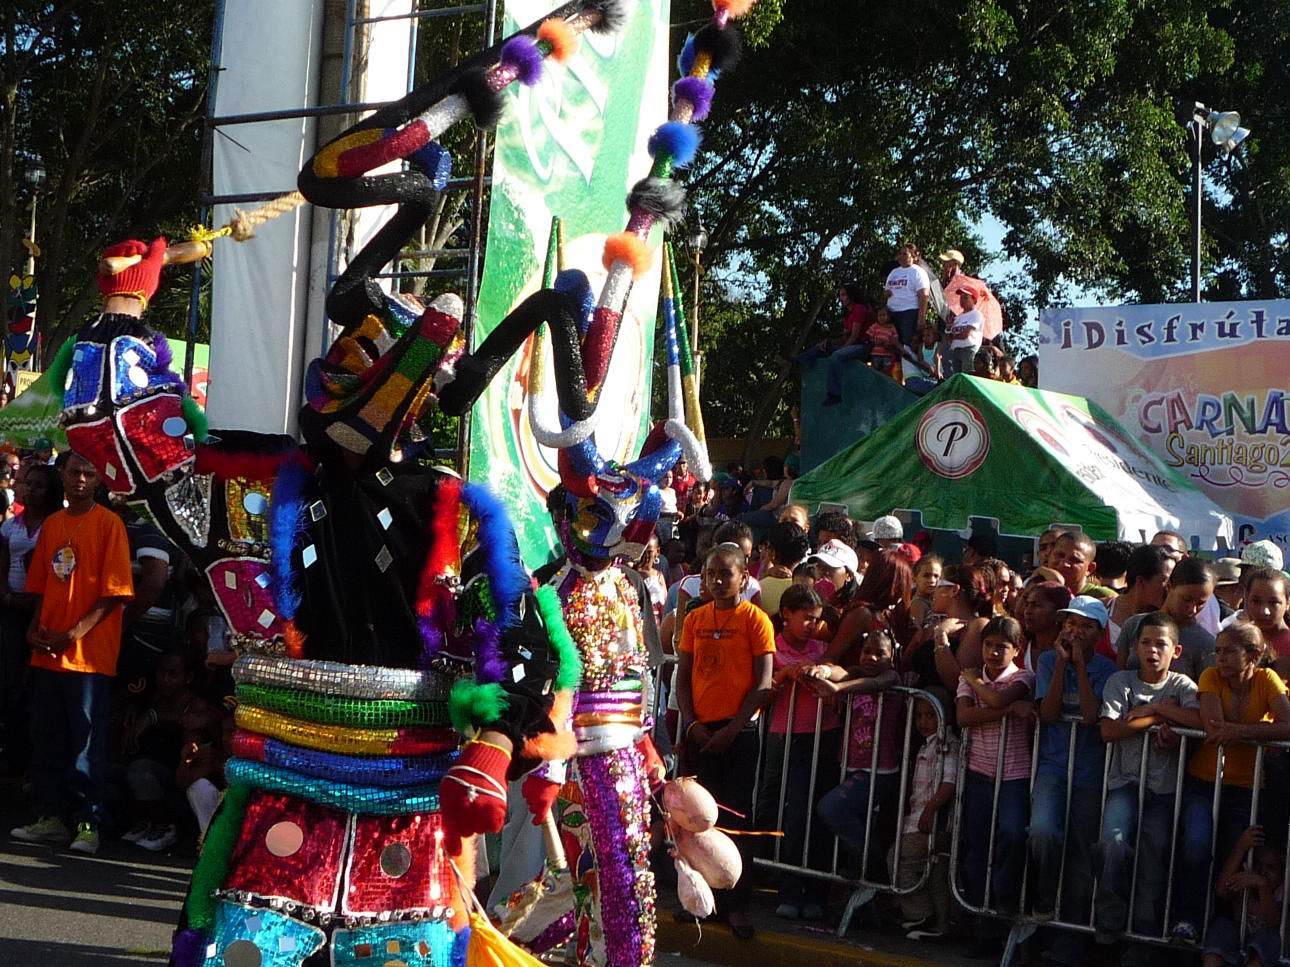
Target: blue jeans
[[962, 360], [1224, 939], [70, 714], [1116, 849], [1197, 822], [860, 351], [1009, 839], [845, 810], [906, 323], [797, 804], [1051, 836]]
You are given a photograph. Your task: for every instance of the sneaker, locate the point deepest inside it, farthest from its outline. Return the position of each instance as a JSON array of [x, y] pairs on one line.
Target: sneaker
[[159, 838], [137, 832], [914, 924], [47, 829], [788, 911], [1184, 931], [86, 841], [931, 932], [813, 912]]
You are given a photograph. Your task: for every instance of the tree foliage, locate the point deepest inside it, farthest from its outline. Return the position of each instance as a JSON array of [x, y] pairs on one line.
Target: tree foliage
[[849, 129], [109, 98]]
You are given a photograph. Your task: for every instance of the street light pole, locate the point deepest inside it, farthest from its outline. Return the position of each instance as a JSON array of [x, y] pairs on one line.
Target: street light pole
[[698, 242], [1198, 126], [31, 235], [1226, 131]]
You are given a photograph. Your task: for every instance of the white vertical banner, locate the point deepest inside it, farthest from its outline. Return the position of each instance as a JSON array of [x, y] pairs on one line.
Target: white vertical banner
[[269, 61], [382, 75]]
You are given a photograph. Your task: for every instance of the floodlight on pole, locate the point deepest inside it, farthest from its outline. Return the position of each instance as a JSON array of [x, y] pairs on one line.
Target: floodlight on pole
[[698, 242], [1226, 132]]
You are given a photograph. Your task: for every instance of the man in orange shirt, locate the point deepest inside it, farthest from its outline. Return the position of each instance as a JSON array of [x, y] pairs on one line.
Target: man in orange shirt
[[80, 567]]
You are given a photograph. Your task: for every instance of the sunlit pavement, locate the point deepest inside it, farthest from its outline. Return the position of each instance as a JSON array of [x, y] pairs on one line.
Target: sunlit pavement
[[61, 909]]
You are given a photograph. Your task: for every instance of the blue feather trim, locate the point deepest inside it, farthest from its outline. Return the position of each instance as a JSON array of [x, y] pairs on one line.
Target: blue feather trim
[[507, 577], [286, 524], [677, 140]]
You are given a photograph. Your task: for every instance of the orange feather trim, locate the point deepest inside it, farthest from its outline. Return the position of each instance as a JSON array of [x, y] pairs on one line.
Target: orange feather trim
[[563, 41], [735, 8], [295, 641], [560, 744], [628, 247]]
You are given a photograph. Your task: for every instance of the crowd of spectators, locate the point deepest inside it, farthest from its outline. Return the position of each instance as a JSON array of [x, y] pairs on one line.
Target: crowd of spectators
[[922, 328], [120, 725], [808, 623]]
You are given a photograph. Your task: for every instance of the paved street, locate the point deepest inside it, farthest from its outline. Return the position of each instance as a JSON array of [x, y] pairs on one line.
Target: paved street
[[58, 908]]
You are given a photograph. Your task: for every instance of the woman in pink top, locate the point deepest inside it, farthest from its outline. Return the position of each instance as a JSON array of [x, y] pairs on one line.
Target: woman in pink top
[[990, 700], [873, 747]]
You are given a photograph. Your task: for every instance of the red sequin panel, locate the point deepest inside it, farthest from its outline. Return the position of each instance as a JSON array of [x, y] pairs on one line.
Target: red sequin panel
[[398, 863], [154, 429], [289, 848], [98, 443], [241, 589]]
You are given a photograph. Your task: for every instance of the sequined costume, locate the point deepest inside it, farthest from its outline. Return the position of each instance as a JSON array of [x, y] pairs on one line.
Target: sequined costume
[[375, 603], [604, 512]]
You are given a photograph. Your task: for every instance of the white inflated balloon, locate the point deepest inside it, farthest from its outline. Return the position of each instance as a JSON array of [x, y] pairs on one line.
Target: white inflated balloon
[[689, 805], [693, 890], [713, 854]]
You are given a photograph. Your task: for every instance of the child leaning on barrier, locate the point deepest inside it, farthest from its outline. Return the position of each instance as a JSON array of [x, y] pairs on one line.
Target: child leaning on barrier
[[994, 702], [873, 748], [1241, 704], [925, 912], [1264, 883], [796, 647], [1134, 701], [1068, 775]]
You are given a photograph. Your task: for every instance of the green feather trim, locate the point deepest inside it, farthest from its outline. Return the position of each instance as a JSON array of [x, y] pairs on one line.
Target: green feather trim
[[553, 617], [56, 374], [217, 851], [195, 417], [473, 706]]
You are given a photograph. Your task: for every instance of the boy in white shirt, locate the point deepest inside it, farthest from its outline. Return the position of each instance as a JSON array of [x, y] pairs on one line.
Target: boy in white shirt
[[966, 332]]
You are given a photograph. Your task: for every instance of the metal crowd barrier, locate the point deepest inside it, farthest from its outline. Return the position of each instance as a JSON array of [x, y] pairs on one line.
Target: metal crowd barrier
[[1024, 924], [863, 889]]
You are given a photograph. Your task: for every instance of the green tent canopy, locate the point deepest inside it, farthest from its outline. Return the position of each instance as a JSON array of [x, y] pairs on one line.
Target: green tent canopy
[[1028, 458]]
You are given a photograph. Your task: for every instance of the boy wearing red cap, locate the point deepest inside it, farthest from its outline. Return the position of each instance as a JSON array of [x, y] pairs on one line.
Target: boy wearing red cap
[[966, 332]]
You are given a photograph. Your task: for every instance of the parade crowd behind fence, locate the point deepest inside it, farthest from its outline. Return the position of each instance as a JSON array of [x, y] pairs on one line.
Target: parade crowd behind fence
[[1129, 870]]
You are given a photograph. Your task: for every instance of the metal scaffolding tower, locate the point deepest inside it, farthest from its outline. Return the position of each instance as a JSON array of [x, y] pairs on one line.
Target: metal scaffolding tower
[[461, 30]]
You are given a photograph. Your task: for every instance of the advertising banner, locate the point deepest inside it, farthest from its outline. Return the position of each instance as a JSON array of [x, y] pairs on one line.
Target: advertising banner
[[1204, 386], [572, 145]]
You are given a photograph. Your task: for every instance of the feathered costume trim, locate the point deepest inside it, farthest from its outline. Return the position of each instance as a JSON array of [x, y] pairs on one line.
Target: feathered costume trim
[[507, 578], [472, 702], [286, 524]]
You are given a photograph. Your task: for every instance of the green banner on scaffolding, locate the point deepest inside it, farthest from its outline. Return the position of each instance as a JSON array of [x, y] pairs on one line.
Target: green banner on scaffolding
[[570, 146]]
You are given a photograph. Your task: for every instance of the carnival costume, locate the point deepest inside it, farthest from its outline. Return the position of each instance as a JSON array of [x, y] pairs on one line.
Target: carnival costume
[[375, 604], [608, 513]]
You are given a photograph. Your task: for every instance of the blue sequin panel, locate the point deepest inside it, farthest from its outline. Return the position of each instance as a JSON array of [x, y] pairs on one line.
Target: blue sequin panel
[[368, 800], [135, 372], [85, 377], [242, 932], [425, 943]]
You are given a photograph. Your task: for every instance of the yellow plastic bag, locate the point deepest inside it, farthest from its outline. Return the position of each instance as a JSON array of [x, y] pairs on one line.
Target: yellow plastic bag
[[488, 948]]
